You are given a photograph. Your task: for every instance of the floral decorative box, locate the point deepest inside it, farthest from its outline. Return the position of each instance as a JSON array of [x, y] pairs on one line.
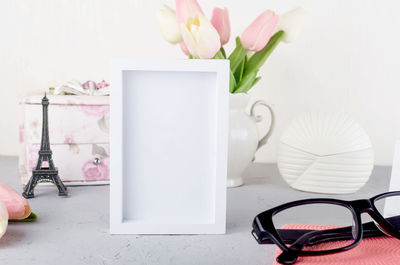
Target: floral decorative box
[[79, 137]]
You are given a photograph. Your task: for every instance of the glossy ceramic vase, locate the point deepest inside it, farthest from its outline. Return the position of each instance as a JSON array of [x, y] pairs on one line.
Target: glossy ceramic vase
[[244, 136]]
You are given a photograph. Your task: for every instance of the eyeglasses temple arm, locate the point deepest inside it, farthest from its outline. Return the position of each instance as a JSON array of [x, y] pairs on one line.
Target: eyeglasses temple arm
[[289, 236]]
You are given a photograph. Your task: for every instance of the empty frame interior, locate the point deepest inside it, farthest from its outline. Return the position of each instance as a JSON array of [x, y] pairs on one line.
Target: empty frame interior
[[169, 147]]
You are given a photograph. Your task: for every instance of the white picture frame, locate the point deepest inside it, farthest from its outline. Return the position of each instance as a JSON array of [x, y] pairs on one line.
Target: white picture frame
[[391, 206], [169, 144], [395, 176]]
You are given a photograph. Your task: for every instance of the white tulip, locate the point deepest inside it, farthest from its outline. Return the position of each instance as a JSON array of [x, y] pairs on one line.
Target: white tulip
[[3, 219], [168, 24], [292, 23], [200, 37]]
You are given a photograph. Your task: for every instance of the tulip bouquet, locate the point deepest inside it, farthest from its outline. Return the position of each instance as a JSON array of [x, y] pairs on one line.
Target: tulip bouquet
[[200, 38]]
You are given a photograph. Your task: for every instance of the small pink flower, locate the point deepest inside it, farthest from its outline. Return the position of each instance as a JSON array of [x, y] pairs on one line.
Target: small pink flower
[[93, 172], [94, 110], [73, 147], [102, 84], [69, 139]]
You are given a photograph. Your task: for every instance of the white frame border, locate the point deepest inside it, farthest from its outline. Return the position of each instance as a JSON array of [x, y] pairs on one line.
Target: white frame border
[[118, 65], [395, 176]]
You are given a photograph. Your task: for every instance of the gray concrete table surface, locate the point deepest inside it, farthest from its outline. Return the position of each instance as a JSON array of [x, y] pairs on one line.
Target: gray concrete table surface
[[75, 230]]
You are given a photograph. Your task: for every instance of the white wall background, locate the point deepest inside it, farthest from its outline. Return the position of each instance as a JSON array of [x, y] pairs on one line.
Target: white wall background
[[347, 58]]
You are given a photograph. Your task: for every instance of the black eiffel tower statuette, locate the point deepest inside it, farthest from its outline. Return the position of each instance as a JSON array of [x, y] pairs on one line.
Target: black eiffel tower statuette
[[45, 170]]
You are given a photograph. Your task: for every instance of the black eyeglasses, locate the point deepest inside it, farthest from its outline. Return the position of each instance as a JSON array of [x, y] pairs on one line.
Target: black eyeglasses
[[277, 225]]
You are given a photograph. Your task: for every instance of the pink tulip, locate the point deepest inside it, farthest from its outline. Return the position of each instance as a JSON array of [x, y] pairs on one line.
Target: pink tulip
[[220, 21], [184, 48], [17, 206], [186, 9], [258, 33]]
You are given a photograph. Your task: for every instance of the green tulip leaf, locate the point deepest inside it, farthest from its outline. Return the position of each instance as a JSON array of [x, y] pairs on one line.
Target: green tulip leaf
[[239, 72], [259, 58], [256, 81], [237, 55], [232, 82], [246, 83]]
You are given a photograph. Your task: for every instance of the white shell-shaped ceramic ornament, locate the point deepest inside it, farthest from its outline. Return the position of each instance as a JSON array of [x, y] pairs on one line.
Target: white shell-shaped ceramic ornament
[[325, 153]]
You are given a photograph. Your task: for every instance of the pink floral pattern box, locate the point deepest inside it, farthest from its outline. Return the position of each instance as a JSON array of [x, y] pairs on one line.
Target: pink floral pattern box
[[79, 137]]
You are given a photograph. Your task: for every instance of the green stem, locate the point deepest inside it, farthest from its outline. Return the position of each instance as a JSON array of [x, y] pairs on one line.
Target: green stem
[[223, 52], [219, 55]]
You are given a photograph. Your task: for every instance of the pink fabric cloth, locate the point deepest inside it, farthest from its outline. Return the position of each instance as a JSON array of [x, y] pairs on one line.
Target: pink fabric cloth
[[371, 251]]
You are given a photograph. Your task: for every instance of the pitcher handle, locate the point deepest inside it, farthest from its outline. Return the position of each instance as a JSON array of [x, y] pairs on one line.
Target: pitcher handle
[[259, 118]]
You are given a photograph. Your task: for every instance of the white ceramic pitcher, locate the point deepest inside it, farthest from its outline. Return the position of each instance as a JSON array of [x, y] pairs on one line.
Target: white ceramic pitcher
[[244, 136]]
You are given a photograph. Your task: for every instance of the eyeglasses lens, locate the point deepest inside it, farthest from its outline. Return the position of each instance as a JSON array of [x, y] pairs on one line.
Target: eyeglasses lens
[[389, 208], [322, 227]]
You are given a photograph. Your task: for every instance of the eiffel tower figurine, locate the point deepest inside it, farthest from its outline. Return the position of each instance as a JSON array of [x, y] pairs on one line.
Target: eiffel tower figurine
[[45, 170]]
